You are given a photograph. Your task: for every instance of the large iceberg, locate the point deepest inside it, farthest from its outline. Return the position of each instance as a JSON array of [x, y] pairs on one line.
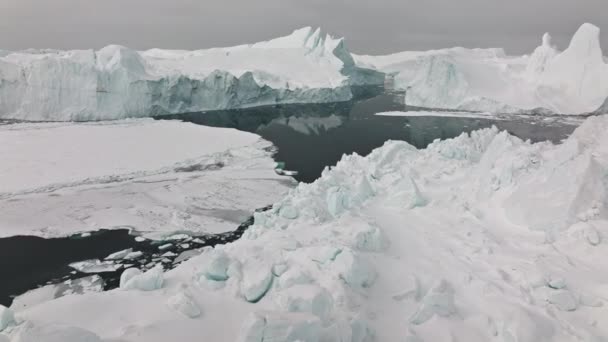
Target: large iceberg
[[574, 81], [117, 82]]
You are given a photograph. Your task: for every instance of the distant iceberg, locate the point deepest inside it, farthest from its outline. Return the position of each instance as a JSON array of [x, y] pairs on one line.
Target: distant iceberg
[[574, 81], [117, 82]]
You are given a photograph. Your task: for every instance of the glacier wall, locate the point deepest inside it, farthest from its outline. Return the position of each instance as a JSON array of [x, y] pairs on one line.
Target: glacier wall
[[117, 82], [573, 81]]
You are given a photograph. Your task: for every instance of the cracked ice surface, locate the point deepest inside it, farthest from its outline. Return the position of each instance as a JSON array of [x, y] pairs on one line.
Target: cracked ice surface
[[134, 174]]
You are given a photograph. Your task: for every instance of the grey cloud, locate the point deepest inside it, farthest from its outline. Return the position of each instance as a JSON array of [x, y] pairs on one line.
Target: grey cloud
[[372, 27]]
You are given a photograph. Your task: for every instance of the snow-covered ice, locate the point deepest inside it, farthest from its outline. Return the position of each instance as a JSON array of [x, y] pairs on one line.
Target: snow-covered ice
[[477, 238], [134, 279], [95, 266], [117, 82], [154, 176], [6, 317], [573, 81], [119, 255]]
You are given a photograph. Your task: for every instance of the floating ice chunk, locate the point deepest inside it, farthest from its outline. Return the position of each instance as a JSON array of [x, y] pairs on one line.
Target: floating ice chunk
[[563, 300], [134, 255], [183, 304], [187, 255], [169, 254], [54, 333], [280, 327], [134, 279], [84, 235], [438, 301], [165, 246], [355, 271], [119, 255], [257, 280], [95, 266], [177, 237], [140, 239], [306, 298], [7, 318]]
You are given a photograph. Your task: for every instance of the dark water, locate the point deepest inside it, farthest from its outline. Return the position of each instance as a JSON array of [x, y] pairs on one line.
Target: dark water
[[28, 262], [310, 137]]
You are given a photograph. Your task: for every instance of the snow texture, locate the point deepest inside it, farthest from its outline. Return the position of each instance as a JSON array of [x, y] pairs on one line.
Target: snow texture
[[153, 176]]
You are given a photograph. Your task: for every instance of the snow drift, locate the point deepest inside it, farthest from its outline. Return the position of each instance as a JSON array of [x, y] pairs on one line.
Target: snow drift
[[574, 81], [478, 238], [117, 82]]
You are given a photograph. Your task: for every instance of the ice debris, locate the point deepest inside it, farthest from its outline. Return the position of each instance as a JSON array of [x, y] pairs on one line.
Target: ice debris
[[134, 279], [7, 317]]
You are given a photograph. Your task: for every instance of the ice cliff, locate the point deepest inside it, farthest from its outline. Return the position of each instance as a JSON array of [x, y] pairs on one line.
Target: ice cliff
[[574, 81], [117, 82]]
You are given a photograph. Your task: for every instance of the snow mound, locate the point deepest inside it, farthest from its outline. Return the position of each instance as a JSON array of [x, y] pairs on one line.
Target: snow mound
[[477, 238], [117, 82], [573, 81], [327, 242], [271, 326], [183, 303], [54, 333], [134, 279]]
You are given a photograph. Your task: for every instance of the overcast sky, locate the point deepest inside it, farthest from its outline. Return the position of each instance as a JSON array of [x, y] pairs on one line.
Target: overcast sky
[[370, 26]]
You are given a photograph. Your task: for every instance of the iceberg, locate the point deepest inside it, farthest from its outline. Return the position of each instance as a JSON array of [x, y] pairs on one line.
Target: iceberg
[[573, 81], [117, 82]]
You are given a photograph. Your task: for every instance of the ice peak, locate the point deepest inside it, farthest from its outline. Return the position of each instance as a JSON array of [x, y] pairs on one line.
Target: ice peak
[[305, 37], [547, 40], [587, 40]]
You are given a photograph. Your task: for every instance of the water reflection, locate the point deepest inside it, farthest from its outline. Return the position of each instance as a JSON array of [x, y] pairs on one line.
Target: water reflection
[[310, 137]]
